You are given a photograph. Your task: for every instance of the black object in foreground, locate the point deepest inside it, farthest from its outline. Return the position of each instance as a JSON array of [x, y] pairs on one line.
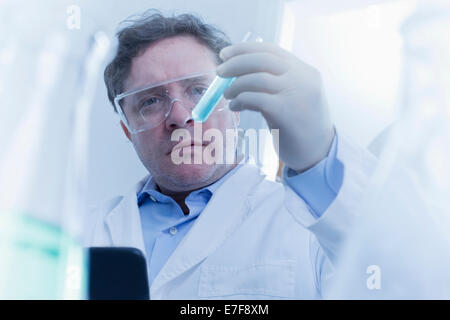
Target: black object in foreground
[[117, 273]]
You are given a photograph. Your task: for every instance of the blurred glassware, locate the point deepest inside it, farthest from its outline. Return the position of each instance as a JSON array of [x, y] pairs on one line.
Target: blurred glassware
[[46, 109], [400, 248]]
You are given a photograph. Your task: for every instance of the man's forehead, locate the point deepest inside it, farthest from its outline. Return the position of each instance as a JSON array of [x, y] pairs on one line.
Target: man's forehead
[[169, 59]]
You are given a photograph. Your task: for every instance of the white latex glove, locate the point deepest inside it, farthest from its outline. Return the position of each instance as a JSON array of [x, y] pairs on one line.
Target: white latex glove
[[289, 95]]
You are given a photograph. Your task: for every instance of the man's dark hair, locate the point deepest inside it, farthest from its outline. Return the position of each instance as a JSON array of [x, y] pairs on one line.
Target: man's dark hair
[[148, 28]]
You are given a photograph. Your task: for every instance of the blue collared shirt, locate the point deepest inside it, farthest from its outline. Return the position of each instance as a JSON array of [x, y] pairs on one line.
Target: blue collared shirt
[[164, 224], [319, 185]]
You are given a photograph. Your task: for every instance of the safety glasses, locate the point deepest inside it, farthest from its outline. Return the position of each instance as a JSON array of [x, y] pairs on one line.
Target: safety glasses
[[147, 107]]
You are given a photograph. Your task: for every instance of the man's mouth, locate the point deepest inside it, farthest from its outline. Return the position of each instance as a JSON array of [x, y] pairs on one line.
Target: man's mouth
[[180, 146]]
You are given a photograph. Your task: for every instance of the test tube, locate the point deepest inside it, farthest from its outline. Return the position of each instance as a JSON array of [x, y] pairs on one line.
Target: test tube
[[214, 93]]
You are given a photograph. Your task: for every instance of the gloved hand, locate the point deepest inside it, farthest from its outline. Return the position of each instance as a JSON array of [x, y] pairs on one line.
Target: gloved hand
[[288, 93]]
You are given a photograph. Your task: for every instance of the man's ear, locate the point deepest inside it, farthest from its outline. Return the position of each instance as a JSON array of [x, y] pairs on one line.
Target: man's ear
[[125, 130]]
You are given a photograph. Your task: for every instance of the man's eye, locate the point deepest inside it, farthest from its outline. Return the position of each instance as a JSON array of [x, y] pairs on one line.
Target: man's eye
[[150, 102], [198, 90]]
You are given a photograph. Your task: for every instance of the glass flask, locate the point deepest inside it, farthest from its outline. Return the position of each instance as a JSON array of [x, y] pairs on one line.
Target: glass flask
[[400, 244], [45, 126]]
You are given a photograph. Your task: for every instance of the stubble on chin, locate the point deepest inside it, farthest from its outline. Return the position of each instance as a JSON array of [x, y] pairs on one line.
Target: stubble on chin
[[191, 177]]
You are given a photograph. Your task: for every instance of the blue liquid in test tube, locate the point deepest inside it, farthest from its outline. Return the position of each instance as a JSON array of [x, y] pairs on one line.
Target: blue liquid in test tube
[[210, 99], [214, 94]]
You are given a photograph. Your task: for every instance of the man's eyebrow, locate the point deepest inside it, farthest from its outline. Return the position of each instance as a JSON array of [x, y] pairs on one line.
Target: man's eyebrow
[[199, 78], [158, 89]]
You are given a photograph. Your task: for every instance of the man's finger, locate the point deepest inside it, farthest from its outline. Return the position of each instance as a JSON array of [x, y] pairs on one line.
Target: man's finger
[[252, 63], [252, 47], [255, 82], [255, 101]]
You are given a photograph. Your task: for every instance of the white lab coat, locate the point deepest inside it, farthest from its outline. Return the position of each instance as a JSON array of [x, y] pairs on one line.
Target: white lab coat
[[255, 239]]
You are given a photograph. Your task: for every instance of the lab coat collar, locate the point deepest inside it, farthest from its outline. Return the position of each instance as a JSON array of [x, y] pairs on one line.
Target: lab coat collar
[[124, 221], [226, 210]]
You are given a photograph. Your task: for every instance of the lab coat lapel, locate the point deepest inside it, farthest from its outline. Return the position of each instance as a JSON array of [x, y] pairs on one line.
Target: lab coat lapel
[[124, 221], [225, 211]]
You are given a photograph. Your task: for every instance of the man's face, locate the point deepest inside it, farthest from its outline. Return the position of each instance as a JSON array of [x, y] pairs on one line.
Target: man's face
[[164, 60]]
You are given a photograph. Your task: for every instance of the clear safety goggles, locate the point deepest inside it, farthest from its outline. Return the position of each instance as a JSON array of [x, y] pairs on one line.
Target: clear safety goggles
[[147, 107]]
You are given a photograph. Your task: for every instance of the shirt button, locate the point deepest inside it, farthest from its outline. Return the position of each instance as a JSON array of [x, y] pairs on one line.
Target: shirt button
[[153, 198], [173, 231]]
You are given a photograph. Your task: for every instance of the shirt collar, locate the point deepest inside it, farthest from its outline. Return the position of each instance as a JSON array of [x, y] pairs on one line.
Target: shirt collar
[[149, 188]]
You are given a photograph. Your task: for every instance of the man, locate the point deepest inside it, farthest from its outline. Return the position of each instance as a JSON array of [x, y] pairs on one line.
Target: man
[[220, 230]]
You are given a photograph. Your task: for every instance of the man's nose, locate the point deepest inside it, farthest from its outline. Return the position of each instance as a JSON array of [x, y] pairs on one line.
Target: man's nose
[[180, 115]]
